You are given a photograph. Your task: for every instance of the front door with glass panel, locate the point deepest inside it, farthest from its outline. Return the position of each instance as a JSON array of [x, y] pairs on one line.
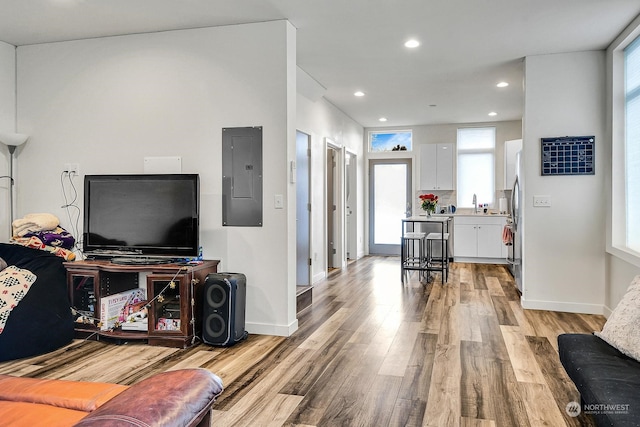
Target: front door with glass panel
[[389, 202]]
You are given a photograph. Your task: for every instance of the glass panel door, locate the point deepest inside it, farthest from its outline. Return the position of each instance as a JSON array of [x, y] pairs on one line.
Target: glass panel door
[[165, 314], [389, 202], [303, 217]]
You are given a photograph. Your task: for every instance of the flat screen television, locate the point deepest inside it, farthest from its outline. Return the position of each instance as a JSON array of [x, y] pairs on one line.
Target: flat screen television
[[141, 215]]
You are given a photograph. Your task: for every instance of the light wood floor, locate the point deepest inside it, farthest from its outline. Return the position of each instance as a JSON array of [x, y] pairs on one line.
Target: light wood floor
[[371, 352]]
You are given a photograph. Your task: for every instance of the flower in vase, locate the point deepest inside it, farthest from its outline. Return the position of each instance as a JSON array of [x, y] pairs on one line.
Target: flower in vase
[[428, 202]]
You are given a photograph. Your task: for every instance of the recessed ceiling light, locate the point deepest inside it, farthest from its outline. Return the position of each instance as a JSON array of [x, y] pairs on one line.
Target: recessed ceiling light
[[502, 84], [359, 93], [382, 119], [493, 113], [412, 43]]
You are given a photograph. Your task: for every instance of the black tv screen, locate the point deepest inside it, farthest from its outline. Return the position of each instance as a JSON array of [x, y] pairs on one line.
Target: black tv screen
[[151, 215]]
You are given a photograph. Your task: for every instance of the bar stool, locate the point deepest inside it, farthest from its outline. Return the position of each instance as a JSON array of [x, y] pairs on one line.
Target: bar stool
[[410, 260], [433, 261]]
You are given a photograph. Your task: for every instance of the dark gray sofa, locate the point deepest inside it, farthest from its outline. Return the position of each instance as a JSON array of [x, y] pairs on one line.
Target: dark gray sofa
[[42, 321], [608, 380]]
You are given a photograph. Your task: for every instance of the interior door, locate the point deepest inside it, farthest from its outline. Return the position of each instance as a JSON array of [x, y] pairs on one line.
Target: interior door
[[331, 210], [389, 202], [303, 221], [351, 205]]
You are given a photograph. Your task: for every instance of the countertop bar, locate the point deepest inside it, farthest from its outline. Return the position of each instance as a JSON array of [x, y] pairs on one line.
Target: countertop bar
[[465, 212], [432, 218], [443, 220]]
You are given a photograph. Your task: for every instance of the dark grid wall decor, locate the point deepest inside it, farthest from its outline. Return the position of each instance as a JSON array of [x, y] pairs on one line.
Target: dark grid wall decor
[[567, 155]]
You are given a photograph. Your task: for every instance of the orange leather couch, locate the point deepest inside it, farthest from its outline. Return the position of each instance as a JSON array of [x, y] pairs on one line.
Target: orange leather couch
[[175, 398]]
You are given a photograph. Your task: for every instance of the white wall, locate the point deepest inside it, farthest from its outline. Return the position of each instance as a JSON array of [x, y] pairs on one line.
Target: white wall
[[7, 124], [320, 119], [7, 88], [564, 245], [107, 103], [619, 276]]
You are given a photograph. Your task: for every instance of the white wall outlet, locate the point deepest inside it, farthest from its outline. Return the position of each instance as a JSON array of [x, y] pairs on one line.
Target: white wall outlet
[[542, 201], [72, 169]]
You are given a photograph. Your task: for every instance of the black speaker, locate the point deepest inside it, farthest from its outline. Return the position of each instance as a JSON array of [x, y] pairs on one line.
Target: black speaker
[[224, 302]]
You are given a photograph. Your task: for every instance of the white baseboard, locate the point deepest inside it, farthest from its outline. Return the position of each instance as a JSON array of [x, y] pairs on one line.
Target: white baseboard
[[569, 307], [319, 276], [277, 330], [475, 260]]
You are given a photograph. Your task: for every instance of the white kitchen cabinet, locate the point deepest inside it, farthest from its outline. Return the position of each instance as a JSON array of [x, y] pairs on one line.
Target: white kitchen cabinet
[[465, 239], [490, 241], [436, 167], [478, 236]]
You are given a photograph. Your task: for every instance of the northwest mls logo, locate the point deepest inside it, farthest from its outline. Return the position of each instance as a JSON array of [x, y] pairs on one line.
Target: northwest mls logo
[[573, 409], [605, 408]]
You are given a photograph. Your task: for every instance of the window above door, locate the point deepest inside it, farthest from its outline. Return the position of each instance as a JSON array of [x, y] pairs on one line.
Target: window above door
[[390, 140]]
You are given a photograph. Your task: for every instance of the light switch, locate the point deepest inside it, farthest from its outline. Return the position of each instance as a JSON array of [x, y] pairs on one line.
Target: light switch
[[542, 201], [278, 201]]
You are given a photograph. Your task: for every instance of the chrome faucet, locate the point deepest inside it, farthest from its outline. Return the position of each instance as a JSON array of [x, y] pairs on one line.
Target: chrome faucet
[[475, 203]]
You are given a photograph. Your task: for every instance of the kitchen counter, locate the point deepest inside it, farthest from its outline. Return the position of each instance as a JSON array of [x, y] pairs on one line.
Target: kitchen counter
[[473, 237], [467, 212]]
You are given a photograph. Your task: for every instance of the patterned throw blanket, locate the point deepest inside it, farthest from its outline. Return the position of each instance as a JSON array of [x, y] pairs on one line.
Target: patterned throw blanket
[[35, 243], [14, 284], [58, 237], [42, 231]]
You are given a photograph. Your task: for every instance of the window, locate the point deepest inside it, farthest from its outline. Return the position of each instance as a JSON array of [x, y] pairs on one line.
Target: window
[[623, 233], [390, 141], [476, 165], [632, 144]]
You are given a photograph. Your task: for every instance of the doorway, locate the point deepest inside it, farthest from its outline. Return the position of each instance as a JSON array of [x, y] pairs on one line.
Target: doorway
[[389, 202]]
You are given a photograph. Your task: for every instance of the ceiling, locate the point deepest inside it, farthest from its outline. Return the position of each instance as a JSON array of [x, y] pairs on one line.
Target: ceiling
[[467, 46]]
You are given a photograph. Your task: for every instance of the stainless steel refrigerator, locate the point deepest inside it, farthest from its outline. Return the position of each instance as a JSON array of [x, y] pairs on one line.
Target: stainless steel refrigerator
[[514, 257]]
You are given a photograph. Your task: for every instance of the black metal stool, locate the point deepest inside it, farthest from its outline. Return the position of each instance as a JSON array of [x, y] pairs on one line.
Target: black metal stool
[[412, 261], [434, 262]]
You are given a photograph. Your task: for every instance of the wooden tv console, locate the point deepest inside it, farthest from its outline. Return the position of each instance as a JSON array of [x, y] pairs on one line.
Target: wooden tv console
[[174, 312]]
